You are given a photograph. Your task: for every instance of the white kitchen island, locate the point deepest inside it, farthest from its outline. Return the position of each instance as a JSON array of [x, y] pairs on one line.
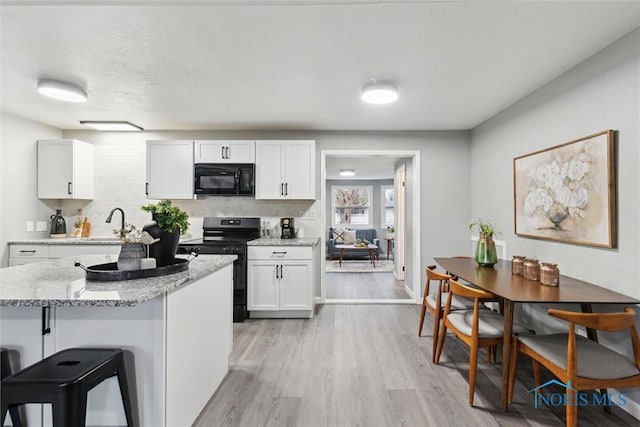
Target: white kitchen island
[[178, 327]]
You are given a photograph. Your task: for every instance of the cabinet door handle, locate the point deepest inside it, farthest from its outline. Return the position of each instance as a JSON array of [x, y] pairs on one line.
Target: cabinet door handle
[[282, 188], [69, 188], [46, 320], [281, 275], [222, 152], [286, 188], [146, 188], [277, 277], [281, 253], [32, 251], [228, 155]]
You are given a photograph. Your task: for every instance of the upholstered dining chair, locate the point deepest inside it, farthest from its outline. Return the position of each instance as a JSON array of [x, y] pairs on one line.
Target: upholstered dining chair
[[476, 328], [580, 363], [433, 302]]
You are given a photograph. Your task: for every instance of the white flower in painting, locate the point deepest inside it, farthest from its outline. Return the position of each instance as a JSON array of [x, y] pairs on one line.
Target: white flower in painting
[[579, 198], [564, 169], [541, 174], [539, 198], [577, 170], [562, 195], [554, 178]]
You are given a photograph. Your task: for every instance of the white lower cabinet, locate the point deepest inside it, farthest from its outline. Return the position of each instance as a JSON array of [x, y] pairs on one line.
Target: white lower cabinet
[[280, 281], [20, 254]]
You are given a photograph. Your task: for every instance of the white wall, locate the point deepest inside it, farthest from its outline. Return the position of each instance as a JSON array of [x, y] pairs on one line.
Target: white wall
[[19, 179], [601, 93]]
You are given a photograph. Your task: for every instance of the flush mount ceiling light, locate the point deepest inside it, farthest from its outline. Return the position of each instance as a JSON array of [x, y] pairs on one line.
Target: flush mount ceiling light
[[61, 91], [111, 125], [377, 92], [347, 172]]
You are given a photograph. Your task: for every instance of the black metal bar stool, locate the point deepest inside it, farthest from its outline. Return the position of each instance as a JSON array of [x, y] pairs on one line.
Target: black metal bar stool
[[64, 379], [17, 414]]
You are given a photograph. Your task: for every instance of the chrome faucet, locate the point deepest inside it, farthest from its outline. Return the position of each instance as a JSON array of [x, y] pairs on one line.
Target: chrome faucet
[[122, 230]]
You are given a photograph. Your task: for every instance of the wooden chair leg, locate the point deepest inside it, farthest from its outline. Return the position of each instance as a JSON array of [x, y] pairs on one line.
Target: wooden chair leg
[[488, 349], [436, 336], [607, 409], [473, 366], [441, 335], [572, 409], [537, 378], [422, 312]]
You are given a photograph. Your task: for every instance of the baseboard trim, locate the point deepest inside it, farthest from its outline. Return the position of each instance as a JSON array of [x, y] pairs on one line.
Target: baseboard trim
[[408, 290], [369, 301], [631, 407]]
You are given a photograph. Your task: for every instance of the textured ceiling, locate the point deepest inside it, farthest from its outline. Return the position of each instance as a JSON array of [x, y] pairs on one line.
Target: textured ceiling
[[294, 65]]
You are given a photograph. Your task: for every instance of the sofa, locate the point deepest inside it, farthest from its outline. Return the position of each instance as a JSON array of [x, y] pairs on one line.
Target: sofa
[[369, 234]]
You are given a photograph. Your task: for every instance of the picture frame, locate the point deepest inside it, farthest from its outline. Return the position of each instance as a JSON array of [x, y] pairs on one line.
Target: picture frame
[[567, 192]]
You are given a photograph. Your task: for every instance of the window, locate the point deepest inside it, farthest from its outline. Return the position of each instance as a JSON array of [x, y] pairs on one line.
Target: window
[[388, 198], [351, 205]]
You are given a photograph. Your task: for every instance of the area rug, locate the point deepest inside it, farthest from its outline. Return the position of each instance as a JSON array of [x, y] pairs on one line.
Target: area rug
[[358, 266]]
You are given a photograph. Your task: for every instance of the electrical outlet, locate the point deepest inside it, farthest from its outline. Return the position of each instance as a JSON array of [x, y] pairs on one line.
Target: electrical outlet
[[29, 225], [41, 226], [309, 214]]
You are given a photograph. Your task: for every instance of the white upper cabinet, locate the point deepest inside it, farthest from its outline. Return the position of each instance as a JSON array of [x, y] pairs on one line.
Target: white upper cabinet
[[225, 151], [285, 170], [269, 180], [65, 169], [169, 170]]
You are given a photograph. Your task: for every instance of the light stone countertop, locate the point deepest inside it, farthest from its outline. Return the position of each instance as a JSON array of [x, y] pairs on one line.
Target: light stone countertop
[[59, 283], [276, 241], [69, 241], [97, 240]]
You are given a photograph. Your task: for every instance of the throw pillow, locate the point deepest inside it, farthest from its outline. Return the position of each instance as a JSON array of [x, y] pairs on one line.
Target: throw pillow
[[349, 237], [338, 236]]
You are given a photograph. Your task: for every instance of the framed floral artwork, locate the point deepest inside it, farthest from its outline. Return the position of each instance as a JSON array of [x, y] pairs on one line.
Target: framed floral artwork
[[567, 192]]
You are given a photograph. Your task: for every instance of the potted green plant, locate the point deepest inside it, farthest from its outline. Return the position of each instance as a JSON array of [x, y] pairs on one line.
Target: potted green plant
[[168, 223], [390, 231], [486, 255]]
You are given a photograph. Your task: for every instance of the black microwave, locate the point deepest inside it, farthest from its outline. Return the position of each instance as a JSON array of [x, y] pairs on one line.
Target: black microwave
[[225, 179]]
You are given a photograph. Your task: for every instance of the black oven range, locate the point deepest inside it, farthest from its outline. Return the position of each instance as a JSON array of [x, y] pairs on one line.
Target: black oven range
[[225, 235]]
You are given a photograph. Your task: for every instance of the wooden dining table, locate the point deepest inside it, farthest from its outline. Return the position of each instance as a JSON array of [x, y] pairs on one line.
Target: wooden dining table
[[516, 289]]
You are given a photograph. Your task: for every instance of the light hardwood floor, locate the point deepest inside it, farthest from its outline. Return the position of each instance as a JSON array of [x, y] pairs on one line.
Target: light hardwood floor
[[363, 365], [364, 286]]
